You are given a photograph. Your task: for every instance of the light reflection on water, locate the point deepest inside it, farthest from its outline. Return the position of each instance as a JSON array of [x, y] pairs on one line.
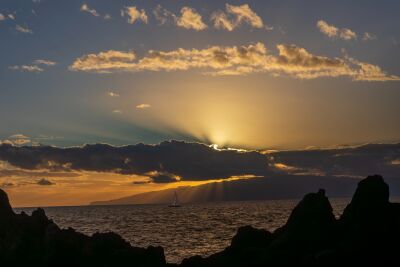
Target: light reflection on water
[[195, 229]]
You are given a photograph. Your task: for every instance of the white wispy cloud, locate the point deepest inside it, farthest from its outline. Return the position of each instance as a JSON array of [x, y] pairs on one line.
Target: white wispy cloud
[[334, 32], [113, 94], [6, 16], [22, 29], [36, 66], [92, 11], [234, 16], [162, 15], [86, 8], [369, 36], [26, 68], [290, 60], [44, 62], [134, 14]]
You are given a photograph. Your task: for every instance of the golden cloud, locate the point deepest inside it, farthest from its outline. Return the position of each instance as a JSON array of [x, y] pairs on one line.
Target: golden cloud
[[334, 32], [235, 60], [134, 14], [143, 106], [190, 19], [105, 61], [235, 16]]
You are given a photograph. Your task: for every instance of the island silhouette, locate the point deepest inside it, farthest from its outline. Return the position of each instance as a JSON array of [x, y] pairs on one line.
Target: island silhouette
[[366, 234]]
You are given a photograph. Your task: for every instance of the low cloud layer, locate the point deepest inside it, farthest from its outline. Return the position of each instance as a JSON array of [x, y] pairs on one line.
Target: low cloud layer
[[346, 161], [176, 161], [167, 162], [44, 181], [290, 60]]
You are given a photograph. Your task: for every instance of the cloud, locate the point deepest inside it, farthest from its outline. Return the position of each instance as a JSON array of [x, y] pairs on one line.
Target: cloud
[[26, 68], [44, 181], [163, 177], [162, 15], [34, 67], [291, 60], [143, 106], [235, 16], [178, 160], [244, 13], [85, 8], [112, 94], [19, 136], [134, 14], [369, 36], [19, 139], [104, 62], [221, 21], [190, 19], [333, 32], [22, 29], [6, 16], [358, 161], [44, 62], [117, 111]]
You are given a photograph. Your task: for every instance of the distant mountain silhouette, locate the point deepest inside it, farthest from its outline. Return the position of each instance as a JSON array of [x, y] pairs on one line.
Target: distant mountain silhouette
[[265, 188], [367, 234]]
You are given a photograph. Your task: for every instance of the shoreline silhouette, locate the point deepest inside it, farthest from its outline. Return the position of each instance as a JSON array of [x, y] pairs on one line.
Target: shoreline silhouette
[[367, 234]]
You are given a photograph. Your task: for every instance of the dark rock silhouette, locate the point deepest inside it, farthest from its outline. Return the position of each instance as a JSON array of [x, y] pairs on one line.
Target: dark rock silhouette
[[36, 241], [367, 234]]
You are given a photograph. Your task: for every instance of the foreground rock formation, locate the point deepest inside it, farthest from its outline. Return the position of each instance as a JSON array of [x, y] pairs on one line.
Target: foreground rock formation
[[367, 234]]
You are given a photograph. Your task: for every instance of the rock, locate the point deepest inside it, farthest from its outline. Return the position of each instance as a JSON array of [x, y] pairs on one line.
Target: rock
[[37, 241], [247, 237], [367, 234]]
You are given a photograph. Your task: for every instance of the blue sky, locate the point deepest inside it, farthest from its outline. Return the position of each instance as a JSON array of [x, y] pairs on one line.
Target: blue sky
[[260, 109]]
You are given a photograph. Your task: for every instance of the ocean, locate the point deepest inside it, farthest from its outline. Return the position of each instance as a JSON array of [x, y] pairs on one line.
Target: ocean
[[194, 229]]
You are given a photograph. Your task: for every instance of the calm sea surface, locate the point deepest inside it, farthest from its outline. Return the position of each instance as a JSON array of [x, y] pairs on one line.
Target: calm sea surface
[[195, 229]]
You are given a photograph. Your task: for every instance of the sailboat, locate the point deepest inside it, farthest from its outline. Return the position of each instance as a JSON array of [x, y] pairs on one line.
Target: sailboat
[[175, 203]]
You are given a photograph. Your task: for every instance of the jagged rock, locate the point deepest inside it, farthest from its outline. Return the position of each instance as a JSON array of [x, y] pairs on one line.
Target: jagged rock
[[367, 234], [369, 229], [37, 241]]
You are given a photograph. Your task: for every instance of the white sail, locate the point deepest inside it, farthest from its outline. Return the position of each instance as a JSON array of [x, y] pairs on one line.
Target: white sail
[[175, 203]]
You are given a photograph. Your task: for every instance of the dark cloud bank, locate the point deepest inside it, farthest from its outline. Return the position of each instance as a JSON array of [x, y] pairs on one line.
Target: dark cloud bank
[[285, 174], [165, 162]]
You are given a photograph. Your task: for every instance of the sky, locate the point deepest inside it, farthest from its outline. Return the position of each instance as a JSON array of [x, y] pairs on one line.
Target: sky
[[243, 74]]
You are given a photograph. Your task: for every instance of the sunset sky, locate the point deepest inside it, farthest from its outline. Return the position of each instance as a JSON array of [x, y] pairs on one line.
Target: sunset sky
[[244, 74]]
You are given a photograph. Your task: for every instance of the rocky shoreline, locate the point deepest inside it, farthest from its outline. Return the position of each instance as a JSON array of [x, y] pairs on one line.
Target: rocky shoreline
[[367, 234]]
